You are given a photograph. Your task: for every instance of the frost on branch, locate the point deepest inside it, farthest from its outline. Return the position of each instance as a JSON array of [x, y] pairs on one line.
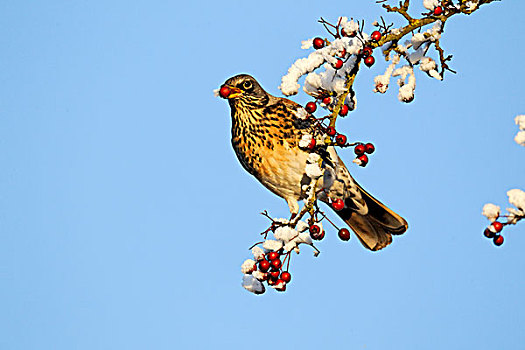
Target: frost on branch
[[492, 212], [516, 198], [520, 136]]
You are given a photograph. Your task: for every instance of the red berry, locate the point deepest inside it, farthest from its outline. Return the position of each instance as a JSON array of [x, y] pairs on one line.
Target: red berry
[[330, 131], [344, 234], [282, 288], [286, 277], [498, 226], [376, 35], [338, 204], [366, 51], [316, 233], [343, 111], [351, 34], [340, 139], [338, 64], [275, 274], [369, 148], [312, 143], [315, 229], [310, 107], [224, 92], [369, 61], [264, 265], [498, 240], [438, 11], [363, 159], [318, 43], [327, 100], [359, 149], [272, 256], [276, 263], [488, 233]]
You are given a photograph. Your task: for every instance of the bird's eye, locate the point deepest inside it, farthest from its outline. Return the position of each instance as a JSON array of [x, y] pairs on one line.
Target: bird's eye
[[247, 85]]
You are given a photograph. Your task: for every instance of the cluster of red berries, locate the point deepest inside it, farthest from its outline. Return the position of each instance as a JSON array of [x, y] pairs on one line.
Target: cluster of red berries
[[360, 151], [493, 232], [365, 53], [272, 268]]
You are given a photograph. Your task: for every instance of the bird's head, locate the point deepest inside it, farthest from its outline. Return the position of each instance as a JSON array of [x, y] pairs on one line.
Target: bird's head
[[244, 90]]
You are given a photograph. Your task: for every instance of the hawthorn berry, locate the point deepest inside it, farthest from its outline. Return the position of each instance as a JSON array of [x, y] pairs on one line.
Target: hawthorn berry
[[343, 111], [351, 34], [498, 226], [327, 100], [264, 265], [314, 229], [225, 91], [338, 204], [276, 263], [338, 64], [369, 61], [318, 43], [359, 149], [498, 240], [272, 256], [312, 143], [369, 148], [282, 288], [310, 107], [438, 11], [364, 160], [366, 51], [330, 131], [344, 234], [340, 139], [376, 35], [275, 274], [286, 276], [488, 233]]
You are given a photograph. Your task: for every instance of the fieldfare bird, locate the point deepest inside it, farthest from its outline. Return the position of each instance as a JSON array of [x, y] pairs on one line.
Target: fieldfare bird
[[265, 136]]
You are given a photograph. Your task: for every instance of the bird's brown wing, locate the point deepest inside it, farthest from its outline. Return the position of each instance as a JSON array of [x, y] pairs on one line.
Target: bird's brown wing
[[372, 221]]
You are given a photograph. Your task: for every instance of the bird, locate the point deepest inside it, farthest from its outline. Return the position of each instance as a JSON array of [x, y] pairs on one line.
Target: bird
[[265, 135]]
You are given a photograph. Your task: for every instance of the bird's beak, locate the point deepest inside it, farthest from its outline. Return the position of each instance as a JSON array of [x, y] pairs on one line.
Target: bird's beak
[[234, 92]]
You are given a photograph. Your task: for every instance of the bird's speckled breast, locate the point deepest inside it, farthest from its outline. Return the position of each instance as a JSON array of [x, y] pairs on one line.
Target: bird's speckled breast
[[265, 141]]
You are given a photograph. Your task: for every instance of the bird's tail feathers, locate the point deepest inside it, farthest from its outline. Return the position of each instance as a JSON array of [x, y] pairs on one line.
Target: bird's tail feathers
[[374, 229]]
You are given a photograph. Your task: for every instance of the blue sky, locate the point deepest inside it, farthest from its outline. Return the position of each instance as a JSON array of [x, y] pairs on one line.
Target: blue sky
[[125, 216]]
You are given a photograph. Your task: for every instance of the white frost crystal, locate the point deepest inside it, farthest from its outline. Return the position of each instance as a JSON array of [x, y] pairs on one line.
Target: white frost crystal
[[430, 4], [305, 141], [248, 266], [517, 198], [272, 245], [491, 211], [520, 136], [258, 253], [428, 65], [285, 233], [252, 284]]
